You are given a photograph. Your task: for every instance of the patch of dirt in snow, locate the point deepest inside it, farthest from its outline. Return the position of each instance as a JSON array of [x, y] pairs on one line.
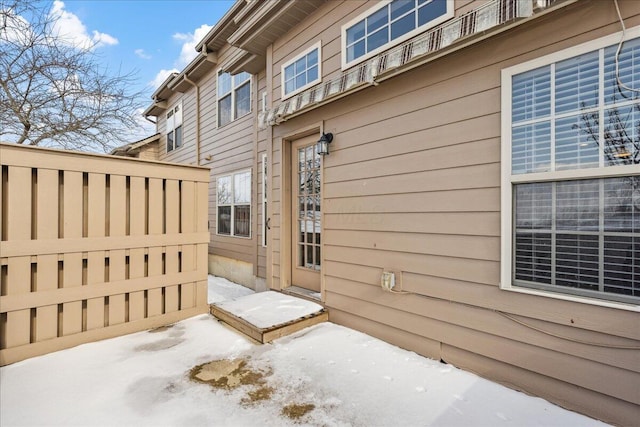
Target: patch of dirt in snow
[[226, 374], [230, 374], [253, 396], [296, 411]]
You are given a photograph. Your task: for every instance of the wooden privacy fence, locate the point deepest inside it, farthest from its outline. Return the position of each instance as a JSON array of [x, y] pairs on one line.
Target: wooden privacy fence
[[93, 247]]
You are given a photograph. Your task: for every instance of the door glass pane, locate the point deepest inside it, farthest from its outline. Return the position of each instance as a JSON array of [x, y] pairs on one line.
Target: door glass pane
[[308, 210]]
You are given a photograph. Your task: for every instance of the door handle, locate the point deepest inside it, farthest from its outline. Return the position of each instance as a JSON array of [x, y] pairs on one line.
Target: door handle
[[268, 223]]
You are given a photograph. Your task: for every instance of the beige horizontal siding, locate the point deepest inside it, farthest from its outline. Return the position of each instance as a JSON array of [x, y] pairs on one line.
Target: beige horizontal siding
[[412, 184], [500, 339]]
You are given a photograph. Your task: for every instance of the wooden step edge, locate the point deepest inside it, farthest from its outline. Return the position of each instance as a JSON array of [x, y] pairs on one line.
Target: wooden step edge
[[265, 335]]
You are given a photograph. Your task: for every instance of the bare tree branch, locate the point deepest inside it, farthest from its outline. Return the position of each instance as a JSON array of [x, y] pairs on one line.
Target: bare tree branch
[[55, 93]]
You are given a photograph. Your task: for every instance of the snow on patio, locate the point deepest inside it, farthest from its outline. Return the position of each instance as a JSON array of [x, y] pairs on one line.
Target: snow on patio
[[323, 375]]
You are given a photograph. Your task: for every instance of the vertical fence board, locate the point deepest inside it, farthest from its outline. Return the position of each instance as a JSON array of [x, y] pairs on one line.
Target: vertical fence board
[[117, 228], [188, 225], [202, 287], [95, 259], [202, 213], [19, 280], [47, 267], [172, 225], [137, 221], [19, 268], [156, 220], [72, 265], [202, 224], [19, 204]]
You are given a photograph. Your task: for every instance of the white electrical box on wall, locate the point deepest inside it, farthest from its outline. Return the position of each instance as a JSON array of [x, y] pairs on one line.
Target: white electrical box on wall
[[388, 280]]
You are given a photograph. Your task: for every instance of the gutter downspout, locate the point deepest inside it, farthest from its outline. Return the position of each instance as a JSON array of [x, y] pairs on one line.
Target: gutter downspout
[[192, 83]]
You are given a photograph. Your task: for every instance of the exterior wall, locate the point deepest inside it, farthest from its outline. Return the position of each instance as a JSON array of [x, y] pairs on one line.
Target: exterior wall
[[187, 152], [325, 25], [225, 149], [412, 184], [232, 148], [94, 247], [149, 152]]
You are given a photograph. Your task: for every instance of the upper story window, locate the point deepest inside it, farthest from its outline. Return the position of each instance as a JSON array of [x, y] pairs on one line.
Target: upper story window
[[234, 96], [390, 23], [233, 200], [302, 72], [571, 172], [174, 127]]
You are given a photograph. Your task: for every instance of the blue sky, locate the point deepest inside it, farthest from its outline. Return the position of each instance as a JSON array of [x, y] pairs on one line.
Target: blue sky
[[151, 37]]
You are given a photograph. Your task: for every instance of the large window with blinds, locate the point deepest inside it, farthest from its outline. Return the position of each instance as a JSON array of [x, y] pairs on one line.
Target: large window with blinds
[[571, 172]]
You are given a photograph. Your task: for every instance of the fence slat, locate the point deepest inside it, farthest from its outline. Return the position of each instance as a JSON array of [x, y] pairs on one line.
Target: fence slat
[[117, 228], [202, 262], [156, 220], [137, 221], [19, 268], [72, 215], [188, 225], [95, 259], [172, 225], [47, 266], [18, 322]]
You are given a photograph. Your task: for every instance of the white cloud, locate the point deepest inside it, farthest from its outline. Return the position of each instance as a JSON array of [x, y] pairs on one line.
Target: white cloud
[[190, 40], [142, 54], [161, 76], [71, 29], [15, 28]]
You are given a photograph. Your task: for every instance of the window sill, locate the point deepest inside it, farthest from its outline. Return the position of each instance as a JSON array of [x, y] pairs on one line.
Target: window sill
[[234, 237], [573, 298]]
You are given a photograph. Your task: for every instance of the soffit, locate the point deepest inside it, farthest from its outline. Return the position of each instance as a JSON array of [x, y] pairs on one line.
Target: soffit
[[270, 21]]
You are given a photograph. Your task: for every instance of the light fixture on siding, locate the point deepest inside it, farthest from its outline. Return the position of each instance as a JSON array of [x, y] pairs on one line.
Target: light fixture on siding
[[322, 146]]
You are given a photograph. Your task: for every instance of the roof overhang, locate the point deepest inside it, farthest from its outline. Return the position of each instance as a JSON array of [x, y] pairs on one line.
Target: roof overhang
[[135, 146], [163, 91], [217, 36], [270, 21], [198, 68], [155, 109], [241, 60]]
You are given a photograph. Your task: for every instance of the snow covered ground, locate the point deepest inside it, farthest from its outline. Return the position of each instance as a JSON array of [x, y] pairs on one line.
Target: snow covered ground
[[325, 375]]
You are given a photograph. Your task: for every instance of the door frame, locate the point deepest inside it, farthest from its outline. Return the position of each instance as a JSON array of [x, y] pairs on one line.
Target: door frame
[[285, 143]]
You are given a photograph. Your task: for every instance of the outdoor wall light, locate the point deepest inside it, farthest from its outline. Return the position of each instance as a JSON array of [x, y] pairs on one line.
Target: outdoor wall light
[[322, 146]]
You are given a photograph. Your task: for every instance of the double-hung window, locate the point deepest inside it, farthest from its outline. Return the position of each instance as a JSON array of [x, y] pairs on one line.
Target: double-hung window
[[174, 127], [388, 24], [233, 193], [302, 72], [571, 172], [234, 96]]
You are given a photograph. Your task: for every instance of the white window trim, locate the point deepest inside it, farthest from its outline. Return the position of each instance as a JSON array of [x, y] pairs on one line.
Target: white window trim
[[302, 54], [265, 199], [507, 179], [167, 131], [343, 41], [233, 204], [233, 98]]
